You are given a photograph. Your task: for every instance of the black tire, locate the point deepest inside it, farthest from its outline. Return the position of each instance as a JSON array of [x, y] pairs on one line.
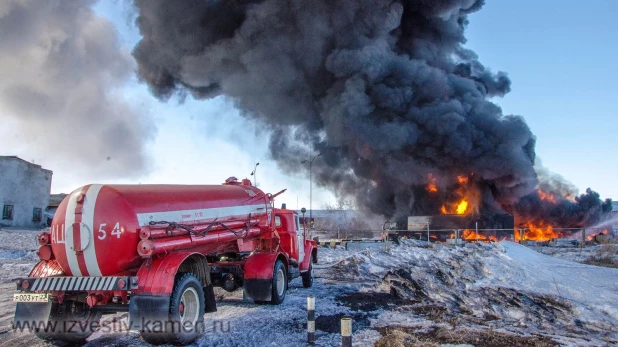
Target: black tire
[[70, 322], [186, 313], [280, 283], [308, 275]]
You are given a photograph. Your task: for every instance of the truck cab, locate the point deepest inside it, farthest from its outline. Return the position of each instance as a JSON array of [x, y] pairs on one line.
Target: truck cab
[[295, 243]]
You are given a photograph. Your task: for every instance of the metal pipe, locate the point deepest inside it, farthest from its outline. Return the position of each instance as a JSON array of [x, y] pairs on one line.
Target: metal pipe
[[147, 248], [311, 187], [522, 235], [254, 173]]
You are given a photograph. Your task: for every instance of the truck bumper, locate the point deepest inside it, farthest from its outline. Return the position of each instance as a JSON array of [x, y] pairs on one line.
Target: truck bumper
[[77, 284]]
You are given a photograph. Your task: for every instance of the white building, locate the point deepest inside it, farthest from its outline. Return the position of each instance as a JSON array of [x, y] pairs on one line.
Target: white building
[[24, 193]]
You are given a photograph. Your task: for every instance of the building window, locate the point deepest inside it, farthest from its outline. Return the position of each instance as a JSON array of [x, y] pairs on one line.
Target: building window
[[7, 212], [36, 214]]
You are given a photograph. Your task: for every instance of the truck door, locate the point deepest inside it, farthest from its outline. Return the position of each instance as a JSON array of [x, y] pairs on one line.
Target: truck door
[[300, 238]]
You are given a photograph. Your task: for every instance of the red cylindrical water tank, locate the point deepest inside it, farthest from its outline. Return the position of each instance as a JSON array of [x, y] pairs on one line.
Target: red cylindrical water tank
[[96, 229]]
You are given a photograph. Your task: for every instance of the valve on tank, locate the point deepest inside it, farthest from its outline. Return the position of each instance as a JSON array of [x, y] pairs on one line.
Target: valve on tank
[[45, 251]]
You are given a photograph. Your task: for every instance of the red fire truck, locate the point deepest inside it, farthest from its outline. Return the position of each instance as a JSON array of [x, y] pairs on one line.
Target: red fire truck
[[157, 251]]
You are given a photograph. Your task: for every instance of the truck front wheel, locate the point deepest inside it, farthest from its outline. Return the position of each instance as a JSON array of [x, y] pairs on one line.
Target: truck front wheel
[[186, 315], [280, 283]]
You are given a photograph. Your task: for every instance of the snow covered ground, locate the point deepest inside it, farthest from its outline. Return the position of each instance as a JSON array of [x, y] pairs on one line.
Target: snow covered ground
[[485, 295], [17, 253], [602, 255]]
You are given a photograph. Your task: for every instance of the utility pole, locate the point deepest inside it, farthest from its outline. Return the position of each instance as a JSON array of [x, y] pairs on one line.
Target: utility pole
[[310, 185]]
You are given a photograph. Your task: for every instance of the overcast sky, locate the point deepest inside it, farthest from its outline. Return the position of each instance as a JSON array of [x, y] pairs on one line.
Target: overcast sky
[[560, 56]]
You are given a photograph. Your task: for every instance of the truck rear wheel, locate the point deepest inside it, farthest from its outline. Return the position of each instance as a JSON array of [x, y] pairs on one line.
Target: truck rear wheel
[[280, 283], [186, 315], [308, 276], [70, 322]]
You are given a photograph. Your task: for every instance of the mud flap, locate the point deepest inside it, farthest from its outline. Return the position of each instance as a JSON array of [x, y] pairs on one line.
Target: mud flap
[[258, 289], [31, 315], [210, 303], [148, 312], [258, 278]]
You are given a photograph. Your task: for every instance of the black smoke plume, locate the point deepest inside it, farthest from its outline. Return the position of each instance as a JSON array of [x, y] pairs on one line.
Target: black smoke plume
[[385, 90], [556, 202]]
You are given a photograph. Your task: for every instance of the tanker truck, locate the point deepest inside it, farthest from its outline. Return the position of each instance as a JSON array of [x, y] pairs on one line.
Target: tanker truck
[[157, 252]]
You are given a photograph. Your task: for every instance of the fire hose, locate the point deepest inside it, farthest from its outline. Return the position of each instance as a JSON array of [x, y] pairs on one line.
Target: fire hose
[[171, 226]]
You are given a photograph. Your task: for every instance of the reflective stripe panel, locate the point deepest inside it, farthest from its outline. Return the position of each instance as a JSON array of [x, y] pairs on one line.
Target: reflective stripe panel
[[105, 283], [111, 284], [71, 283], [43, 283], [36, 284], [59, 283], [52, 284], [76, 283]]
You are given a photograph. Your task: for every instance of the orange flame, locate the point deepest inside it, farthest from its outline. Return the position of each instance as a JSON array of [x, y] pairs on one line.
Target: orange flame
[[546, 196], [471, 235], [432, 187], [593, 236], [467, 198], [461, 208], [538, 232]]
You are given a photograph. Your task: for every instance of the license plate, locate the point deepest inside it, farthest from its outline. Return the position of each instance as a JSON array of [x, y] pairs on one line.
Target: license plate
[[31, 297]]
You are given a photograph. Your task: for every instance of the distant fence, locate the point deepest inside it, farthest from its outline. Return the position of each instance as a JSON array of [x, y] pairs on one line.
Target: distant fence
[[347, 234], [486, 235]]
